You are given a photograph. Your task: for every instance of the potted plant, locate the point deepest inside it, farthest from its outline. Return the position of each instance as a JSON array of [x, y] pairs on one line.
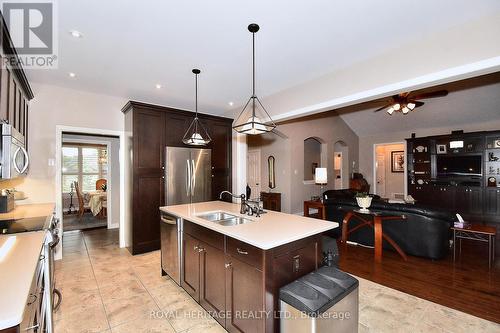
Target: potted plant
[[364, 200]]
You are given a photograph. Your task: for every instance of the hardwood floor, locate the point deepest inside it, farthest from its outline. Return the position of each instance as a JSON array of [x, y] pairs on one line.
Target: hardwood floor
[[467, 285]]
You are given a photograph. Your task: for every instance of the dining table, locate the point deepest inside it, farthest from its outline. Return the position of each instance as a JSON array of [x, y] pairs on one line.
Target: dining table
[[96, 199]]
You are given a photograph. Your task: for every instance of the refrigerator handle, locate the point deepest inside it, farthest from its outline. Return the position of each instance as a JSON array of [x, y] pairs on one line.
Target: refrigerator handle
[[193, 176], [188, 179]]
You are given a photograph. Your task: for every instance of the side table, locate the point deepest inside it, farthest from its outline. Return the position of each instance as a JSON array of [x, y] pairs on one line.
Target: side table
[[316, 204], [374, 220], [475, 232]]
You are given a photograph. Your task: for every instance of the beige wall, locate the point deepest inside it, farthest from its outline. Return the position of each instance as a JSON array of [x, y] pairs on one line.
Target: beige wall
[[366, 143], [289, 154], [54, 106]]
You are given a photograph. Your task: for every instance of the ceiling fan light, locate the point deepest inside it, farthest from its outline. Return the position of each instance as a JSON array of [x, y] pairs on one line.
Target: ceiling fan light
[[411, 106], [390, 110], [405, 110], [396, 107]]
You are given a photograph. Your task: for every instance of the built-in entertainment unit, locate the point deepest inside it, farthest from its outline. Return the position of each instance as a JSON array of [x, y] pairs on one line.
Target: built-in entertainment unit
[[458, 172], [457, 166]]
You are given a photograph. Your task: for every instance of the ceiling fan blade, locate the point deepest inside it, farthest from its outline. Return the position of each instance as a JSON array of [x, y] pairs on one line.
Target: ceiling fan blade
[[434, 94], [418, 103], [382, 108]]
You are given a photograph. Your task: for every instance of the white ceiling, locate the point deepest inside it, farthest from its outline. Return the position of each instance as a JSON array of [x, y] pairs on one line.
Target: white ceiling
[[130, 46], [472, 101]]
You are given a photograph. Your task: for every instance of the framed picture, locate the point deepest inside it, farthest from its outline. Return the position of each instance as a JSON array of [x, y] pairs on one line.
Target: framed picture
[[397, 161], [441, 149]]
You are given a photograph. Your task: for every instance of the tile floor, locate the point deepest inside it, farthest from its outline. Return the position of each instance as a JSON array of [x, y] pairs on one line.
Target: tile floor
[[105, 289]]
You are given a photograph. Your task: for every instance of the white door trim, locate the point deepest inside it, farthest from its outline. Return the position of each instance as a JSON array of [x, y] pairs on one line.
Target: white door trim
[[374, 161], [84, 130]]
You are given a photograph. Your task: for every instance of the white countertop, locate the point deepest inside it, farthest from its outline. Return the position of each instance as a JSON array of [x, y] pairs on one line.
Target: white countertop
[[266, 232], [17, 268]]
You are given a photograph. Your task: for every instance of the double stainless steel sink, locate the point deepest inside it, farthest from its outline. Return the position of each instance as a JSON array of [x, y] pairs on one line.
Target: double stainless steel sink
[[224, 218]]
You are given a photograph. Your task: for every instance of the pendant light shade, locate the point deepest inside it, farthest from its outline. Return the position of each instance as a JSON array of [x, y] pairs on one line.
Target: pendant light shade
[[196, 134], [254, 118]]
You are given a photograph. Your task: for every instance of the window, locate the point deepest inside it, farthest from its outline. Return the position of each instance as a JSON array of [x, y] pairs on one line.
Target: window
[[84, 164]]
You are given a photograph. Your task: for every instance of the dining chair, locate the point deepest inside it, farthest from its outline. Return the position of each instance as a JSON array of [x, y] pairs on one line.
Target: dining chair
[[82, 206], [99, 183]]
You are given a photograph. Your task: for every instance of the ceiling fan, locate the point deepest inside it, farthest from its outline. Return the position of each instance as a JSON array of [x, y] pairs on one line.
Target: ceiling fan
[[405, 102]]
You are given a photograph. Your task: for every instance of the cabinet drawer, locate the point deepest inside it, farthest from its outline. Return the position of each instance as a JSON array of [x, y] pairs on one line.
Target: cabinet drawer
[[205, 235], [245, 252]]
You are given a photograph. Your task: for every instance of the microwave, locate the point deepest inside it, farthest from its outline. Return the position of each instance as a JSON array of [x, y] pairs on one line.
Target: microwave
[[14, 158]]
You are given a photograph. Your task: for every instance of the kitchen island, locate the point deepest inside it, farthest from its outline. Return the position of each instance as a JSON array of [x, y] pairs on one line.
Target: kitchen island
[[235, 271]]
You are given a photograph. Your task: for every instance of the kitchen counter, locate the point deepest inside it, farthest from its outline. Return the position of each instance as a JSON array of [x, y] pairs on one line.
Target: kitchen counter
[[17, 268], [28, 211], [270, 230]]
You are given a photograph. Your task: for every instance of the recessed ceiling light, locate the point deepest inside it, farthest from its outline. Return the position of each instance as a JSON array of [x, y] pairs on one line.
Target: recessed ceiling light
[[230, 103], [71, 74], [158, 86], [76, 34]]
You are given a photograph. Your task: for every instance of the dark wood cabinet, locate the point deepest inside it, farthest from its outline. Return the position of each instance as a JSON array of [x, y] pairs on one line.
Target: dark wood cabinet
[[468, 195], [150, 129], [191, 267], [244, 284], [229, 276], [15, 90], [212, 276], [492, 200], [469, 200], [271, 201]]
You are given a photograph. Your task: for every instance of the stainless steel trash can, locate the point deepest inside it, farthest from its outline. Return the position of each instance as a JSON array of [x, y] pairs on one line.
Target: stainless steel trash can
[[325, 300]]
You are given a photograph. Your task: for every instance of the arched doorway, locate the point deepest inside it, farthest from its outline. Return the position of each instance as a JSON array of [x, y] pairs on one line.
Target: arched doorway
[[340, 165]]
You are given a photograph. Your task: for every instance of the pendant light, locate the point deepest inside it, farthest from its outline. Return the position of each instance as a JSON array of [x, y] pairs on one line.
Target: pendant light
[[196, 134], [253, 119]]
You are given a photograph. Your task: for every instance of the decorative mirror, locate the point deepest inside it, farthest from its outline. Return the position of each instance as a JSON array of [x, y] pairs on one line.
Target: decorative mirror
[[271, 172]]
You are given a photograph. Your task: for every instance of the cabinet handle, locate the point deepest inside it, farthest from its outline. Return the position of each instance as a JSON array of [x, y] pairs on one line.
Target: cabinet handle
[[228, 265], [240, 251]]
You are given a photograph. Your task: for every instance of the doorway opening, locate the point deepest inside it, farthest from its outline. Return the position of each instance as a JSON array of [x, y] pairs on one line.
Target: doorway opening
[[340, 165], [90, 181], [389, 170], [254, 172]]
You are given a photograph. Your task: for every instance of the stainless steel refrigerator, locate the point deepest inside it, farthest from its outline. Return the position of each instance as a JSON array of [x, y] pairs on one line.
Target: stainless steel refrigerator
[[188, 175]]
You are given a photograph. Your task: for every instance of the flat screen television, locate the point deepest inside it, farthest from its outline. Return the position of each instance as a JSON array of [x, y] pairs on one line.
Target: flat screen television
[[459, 166]]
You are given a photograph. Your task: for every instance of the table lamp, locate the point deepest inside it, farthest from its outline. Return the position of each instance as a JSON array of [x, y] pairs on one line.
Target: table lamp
[[321, 178]]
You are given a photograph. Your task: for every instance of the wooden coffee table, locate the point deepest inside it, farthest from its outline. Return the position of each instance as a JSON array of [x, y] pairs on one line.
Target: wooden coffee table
[[475, 232], [376, 223]]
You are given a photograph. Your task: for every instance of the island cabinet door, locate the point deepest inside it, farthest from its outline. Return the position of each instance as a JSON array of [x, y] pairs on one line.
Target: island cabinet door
[[244, 297], [212, 281], [191, 267], [291, 265]]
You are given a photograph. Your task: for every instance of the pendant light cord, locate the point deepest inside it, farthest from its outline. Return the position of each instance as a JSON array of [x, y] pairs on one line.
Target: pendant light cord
[[196, 95], [253, 64]]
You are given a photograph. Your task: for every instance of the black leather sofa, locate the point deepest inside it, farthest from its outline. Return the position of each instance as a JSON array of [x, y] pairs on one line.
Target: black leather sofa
[[424, 233]]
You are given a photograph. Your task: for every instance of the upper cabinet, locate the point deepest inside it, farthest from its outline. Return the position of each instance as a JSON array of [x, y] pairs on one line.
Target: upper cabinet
[[15, 90]]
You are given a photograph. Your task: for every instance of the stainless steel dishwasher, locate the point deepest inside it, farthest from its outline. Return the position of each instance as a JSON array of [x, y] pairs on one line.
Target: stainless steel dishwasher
[[171, 246]]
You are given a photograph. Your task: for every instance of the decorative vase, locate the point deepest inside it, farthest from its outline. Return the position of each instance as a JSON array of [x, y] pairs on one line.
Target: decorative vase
[[364, 202]]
